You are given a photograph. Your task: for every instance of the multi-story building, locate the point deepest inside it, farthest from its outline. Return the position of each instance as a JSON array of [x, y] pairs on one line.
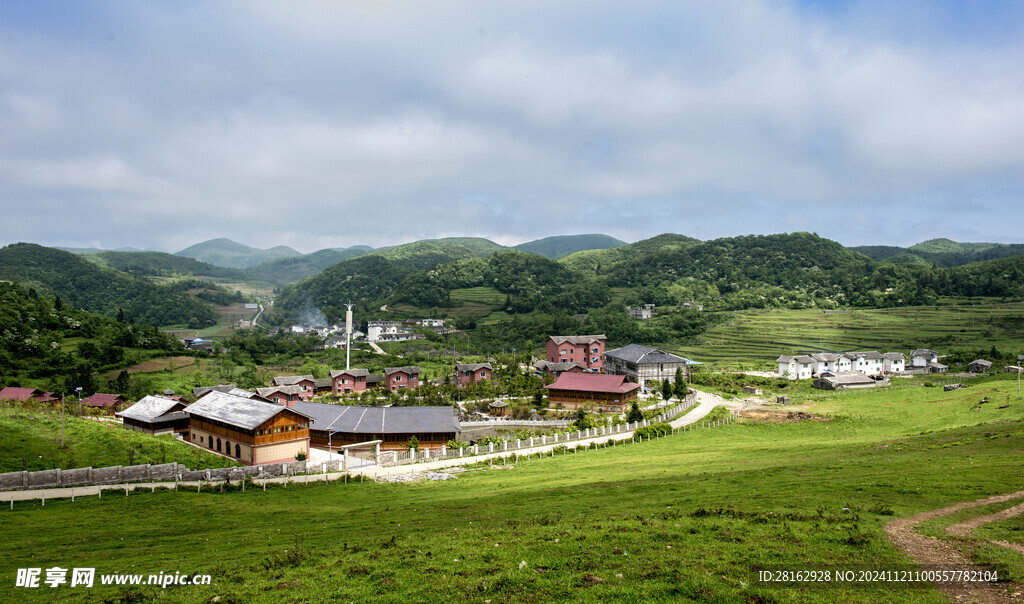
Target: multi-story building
[[248, 430], [585, 350], [642, 363]]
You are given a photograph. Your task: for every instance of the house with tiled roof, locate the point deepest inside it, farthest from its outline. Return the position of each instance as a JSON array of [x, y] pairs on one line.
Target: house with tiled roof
[[599, 392], [334, 426], [398, 378], [113, 402], [348, 381], [155, 415], [471, 373], [14, 393], [248, 430], [585, 350], [641, 363], [556, 369]]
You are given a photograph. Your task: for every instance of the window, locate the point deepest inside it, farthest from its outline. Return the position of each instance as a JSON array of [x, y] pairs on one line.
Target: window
[[218, 445], [238, 450], [398, 378], [594, 350]]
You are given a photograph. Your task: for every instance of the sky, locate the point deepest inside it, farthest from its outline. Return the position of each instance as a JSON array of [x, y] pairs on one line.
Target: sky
[[315, 124]]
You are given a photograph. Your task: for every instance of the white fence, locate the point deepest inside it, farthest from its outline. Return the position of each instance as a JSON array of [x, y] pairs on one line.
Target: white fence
[[407, 457], [518, 423]]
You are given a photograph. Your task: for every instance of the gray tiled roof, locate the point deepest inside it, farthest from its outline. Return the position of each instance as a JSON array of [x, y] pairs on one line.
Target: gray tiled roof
[[149, 408], [578, 339], [473, 366], [201, 390], [269, 391], [846, 378], [353, 372], [234, 410], [379, 420], [638, 353], [549, 366], [894, 356], [409, 369], [826, 357], [291, 380]]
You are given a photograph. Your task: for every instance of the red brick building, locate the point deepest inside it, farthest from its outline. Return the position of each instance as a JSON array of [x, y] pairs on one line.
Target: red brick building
[[348, 381], [597, 392], [306, 382], [402, 377], [585, 350], [113, 402], [466, 374]]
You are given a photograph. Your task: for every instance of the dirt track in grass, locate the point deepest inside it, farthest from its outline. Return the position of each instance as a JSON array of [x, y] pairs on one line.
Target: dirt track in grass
[[929, 551]]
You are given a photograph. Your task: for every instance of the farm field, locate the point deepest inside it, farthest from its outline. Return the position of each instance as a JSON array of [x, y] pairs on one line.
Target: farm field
[[764, 335], [683, 518]]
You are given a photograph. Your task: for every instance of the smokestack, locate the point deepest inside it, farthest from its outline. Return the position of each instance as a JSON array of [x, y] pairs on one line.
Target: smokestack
[[348, 336]]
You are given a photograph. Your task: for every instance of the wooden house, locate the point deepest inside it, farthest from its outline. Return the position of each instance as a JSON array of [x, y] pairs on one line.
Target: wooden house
[[156, 415], [592, 391], [248, 430], [334, 426]]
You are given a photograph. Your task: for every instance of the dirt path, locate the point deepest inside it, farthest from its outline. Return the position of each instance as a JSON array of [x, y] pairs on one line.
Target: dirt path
[[929, 551]]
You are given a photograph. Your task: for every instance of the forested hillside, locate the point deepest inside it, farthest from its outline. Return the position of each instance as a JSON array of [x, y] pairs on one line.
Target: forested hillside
[[941, 252], [161, 264], [563, 245], [35, 331], [294, 268], [231, 254], [98, 289]]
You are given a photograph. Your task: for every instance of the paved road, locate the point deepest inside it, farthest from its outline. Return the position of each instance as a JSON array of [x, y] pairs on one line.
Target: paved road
[[705, 404]]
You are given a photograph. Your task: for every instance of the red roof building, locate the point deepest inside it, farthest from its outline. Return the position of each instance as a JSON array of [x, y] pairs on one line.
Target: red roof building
[[13, 393], [106, 401], [600, 392]]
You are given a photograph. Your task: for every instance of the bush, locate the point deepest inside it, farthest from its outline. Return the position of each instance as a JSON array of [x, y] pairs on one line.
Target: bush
[[300, 456], [654, 430]]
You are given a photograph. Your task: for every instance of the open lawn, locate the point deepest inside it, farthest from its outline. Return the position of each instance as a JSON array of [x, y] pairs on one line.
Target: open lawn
[[684, 518], [764, 335], [31, 441]]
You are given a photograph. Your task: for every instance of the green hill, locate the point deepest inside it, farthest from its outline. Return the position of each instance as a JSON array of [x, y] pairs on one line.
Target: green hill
[[941, 252], [456, 248], [288, 270], [161, 264], [230, 254], [32, 438], [562, 245], [99, 289]]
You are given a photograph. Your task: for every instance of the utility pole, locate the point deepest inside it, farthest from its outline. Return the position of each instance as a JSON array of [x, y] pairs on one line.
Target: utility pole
[[1020, 359], [348, 337], [62, 421]]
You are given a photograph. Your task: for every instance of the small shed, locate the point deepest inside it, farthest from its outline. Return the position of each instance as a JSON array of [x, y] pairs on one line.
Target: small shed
[[782, 399], [498, 408], [979, 366], [752, 390]]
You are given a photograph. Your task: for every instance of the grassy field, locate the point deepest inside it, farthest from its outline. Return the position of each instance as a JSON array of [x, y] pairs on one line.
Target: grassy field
[[684, 518], [764, 335], [31, 441]]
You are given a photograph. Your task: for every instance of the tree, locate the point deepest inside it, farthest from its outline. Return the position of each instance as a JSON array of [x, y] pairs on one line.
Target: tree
[[635, 414], [666, 389], [582, 420], [413, 444], [680, 384]]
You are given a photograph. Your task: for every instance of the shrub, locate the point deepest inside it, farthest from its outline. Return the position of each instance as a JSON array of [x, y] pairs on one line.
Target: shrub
[[654, 430]]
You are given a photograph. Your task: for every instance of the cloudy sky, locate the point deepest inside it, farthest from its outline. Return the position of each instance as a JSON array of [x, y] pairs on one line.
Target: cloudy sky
[[326, 124]]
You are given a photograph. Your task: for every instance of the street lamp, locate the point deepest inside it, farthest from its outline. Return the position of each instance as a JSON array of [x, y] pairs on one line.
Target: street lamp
[[79, 391]]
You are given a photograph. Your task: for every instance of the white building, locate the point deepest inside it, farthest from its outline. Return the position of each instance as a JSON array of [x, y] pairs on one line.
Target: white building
[[375, 329]]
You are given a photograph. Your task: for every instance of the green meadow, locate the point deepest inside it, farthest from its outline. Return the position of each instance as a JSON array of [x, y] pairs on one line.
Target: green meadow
[[684, 518], [746, 336], [31, 441]]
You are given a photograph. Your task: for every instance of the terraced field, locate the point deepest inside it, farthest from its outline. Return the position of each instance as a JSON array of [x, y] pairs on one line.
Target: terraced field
[[764, 335]]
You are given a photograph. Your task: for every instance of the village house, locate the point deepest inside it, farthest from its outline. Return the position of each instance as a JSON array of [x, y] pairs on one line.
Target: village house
[[585, 350], [923, 360], [796, 368], [472, 373], [642, 363], [156, 415], [402, 377], [107, 402], [642, 313], [871, 363], [348, 381], [596, 392], [375, 329], [14, 393], [306, 382], [334, 426], [248, 430], [557, 369], [894, 362], [284, 395], [979, 366]]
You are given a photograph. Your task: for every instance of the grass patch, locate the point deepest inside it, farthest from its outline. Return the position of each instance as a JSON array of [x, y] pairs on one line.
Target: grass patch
[[683, 518]]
